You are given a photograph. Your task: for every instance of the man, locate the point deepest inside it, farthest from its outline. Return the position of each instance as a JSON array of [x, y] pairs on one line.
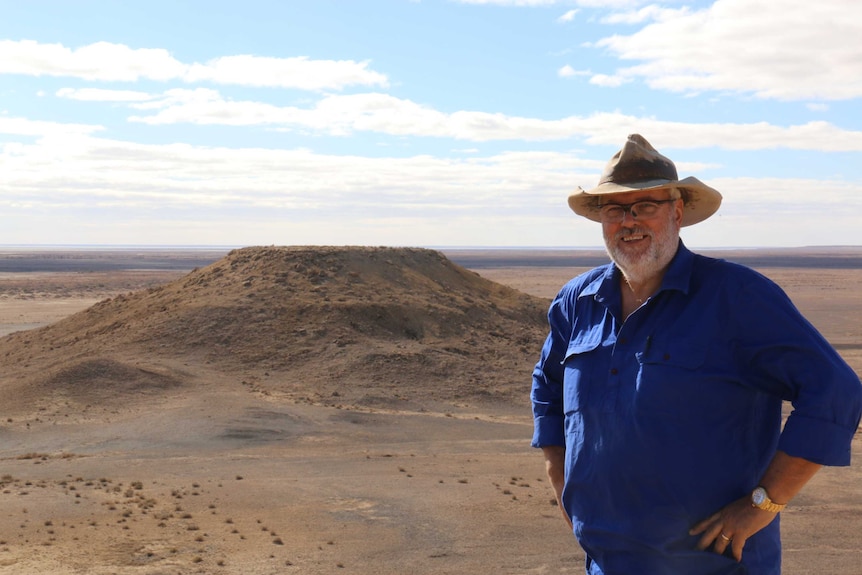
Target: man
[[657, 398]]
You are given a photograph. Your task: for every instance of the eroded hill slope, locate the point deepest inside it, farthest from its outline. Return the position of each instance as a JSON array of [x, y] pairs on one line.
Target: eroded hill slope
[[365, 325]]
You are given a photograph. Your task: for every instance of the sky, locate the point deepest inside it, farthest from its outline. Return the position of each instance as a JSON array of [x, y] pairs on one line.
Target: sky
[[432, 123]]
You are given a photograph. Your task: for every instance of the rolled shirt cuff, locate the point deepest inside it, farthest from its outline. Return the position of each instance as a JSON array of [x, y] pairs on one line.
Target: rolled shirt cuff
[[817, 440], [548, 430]]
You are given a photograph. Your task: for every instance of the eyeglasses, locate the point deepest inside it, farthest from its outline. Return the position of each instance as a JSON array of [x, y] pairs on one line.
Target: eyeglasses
[[640, 210]]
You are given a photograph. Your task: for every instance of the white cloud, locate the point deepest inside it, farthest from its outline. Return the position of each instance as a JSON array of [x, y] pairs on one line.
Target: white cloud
[[100, 61], [647, 13], [512, 2], [820, 136], [613, 4], [609, 81], [24, 127], [298, 72], [102, 95], [345, 114], [104, 61], [568, 16], [206, 107], [96, 172], [789, 50], [382, 113], [567, 72], [191, 194], [610, 4], [387, 115]]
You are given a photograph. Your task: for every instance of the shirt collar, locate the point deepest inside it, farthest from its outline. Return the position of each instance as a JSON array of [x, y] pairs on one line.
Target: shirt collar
[[606, 286], [678, 274]]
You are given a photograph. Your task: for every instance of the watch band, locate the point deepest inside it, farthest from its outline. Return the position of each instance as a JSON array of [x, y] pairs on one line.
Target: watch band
[[760, 499]]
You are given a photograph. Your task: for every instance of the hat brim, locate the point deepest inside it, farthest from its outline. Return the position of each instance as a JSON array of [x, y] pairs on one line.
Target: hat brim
[[701, 201]]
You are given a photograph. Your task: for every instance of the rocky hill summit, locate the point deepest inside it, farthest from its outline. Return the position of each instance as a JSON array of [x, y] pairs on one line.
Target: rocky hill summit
[[367, 326]]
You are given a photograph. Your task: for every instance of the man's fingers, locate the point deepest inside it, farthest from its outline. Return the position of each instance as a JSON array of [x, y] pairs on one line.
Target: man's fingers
[[710, 536], [730, 528], [721, 544], [736, 547], [701, 527]]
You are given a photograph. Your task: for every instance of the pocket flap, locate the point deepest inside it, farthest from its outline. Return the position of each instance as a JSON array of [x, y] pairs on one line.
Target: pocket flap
[[675, 354], [579, 346]]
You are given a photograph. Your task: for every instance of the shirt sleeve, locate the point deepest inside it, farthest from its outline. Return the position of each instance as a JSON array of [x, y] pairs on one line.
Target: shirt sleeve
[[547, 389], [781, 353]]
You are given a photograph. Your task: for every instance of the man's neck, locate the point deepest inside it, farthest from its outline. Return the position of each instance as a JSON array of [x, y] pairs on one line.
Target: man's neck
[[641, 289], [636, 291]]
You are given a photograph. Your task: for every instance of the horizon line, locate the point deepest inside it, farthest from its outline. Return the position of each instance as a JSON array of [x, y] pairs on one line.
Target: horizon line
[[434, 247]]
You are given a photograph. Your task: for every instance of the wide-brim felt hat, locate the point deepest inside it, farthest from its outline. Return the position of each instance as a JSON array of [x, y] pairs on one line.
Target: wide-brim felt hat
[[639, 166]]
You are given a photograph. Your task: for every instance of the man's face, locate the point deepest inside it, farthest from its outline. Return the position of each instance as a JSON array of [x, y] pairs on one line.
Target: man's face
[[642, 246]]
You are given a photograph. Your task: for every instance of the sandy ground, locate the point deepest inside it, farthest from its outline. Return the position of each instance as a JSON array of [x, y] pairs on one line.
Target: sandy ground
[[253, 483]]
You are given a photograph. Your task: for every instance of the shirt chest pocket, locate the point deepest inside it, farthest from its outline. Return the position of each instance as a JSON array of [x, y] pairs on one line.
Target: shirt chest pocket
[[672, 380], [581, 381]]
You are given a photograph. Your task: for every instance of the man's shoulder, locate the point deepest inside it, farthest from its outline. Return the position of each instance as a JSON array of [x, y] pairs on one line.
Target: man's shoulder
[[721, 272], [578, 283]]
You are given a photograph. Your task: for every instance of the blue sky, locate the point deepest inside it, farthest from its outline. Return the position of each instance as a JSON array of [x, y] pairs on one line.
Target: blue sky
[[422, 123]]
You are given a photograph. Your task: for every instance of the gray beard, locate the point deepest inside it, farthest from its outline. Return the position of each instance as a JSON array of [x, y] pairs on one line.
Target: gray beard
[[639, 269]]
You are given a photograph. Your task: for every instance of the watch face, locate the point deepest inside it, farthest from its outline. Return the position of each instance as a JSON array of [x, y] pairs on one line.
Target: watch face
[[758, 496]]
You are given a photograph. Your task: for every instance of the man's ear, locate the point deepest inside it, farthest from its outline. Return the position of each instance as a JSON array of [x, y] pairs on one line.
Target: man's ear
[[678, 210]]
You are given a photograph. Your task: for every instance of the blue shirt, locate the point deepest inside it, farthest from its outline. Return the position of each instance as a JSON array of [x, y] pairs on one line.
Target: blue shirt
[[671, 414]]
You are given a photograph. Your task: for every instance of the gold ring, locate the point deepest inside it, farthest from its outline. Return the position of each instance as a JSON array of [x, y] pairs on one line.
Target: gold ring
[[725, 537]]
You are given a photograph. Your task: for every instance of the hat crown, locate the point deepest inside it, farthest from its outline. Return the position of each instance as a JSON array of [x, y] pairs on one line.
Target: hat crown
[[638, 161]]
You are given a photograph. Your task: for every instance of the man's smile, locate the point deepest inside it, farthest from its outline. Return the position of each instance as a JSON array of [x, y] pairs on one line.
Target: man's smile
[[633, 238]]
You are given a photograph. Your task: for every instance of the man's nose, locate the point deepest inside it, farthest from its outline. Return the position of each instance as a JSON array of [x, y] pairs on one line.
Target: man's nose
[[627, 214]]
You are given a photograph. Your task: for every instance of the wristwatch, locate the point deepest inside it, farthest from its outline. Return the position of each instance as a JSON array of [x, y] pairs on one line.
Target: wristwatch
[[760, 499]]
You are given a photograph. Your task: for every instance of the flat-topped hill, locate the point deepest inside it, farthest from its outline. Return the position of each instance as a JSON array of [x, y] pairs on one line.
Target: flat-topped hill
[[363, 325]]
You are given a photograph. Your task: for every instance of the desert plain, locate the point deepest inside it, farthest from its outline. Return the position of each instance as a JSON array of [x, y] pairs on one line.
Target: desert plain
[[319, 410]]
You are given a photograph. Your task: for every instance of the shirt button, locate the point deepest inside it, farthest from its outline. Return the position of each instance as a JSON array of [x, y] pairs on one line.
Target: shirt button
[[666, 356], [614, 371], [623, 340]]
